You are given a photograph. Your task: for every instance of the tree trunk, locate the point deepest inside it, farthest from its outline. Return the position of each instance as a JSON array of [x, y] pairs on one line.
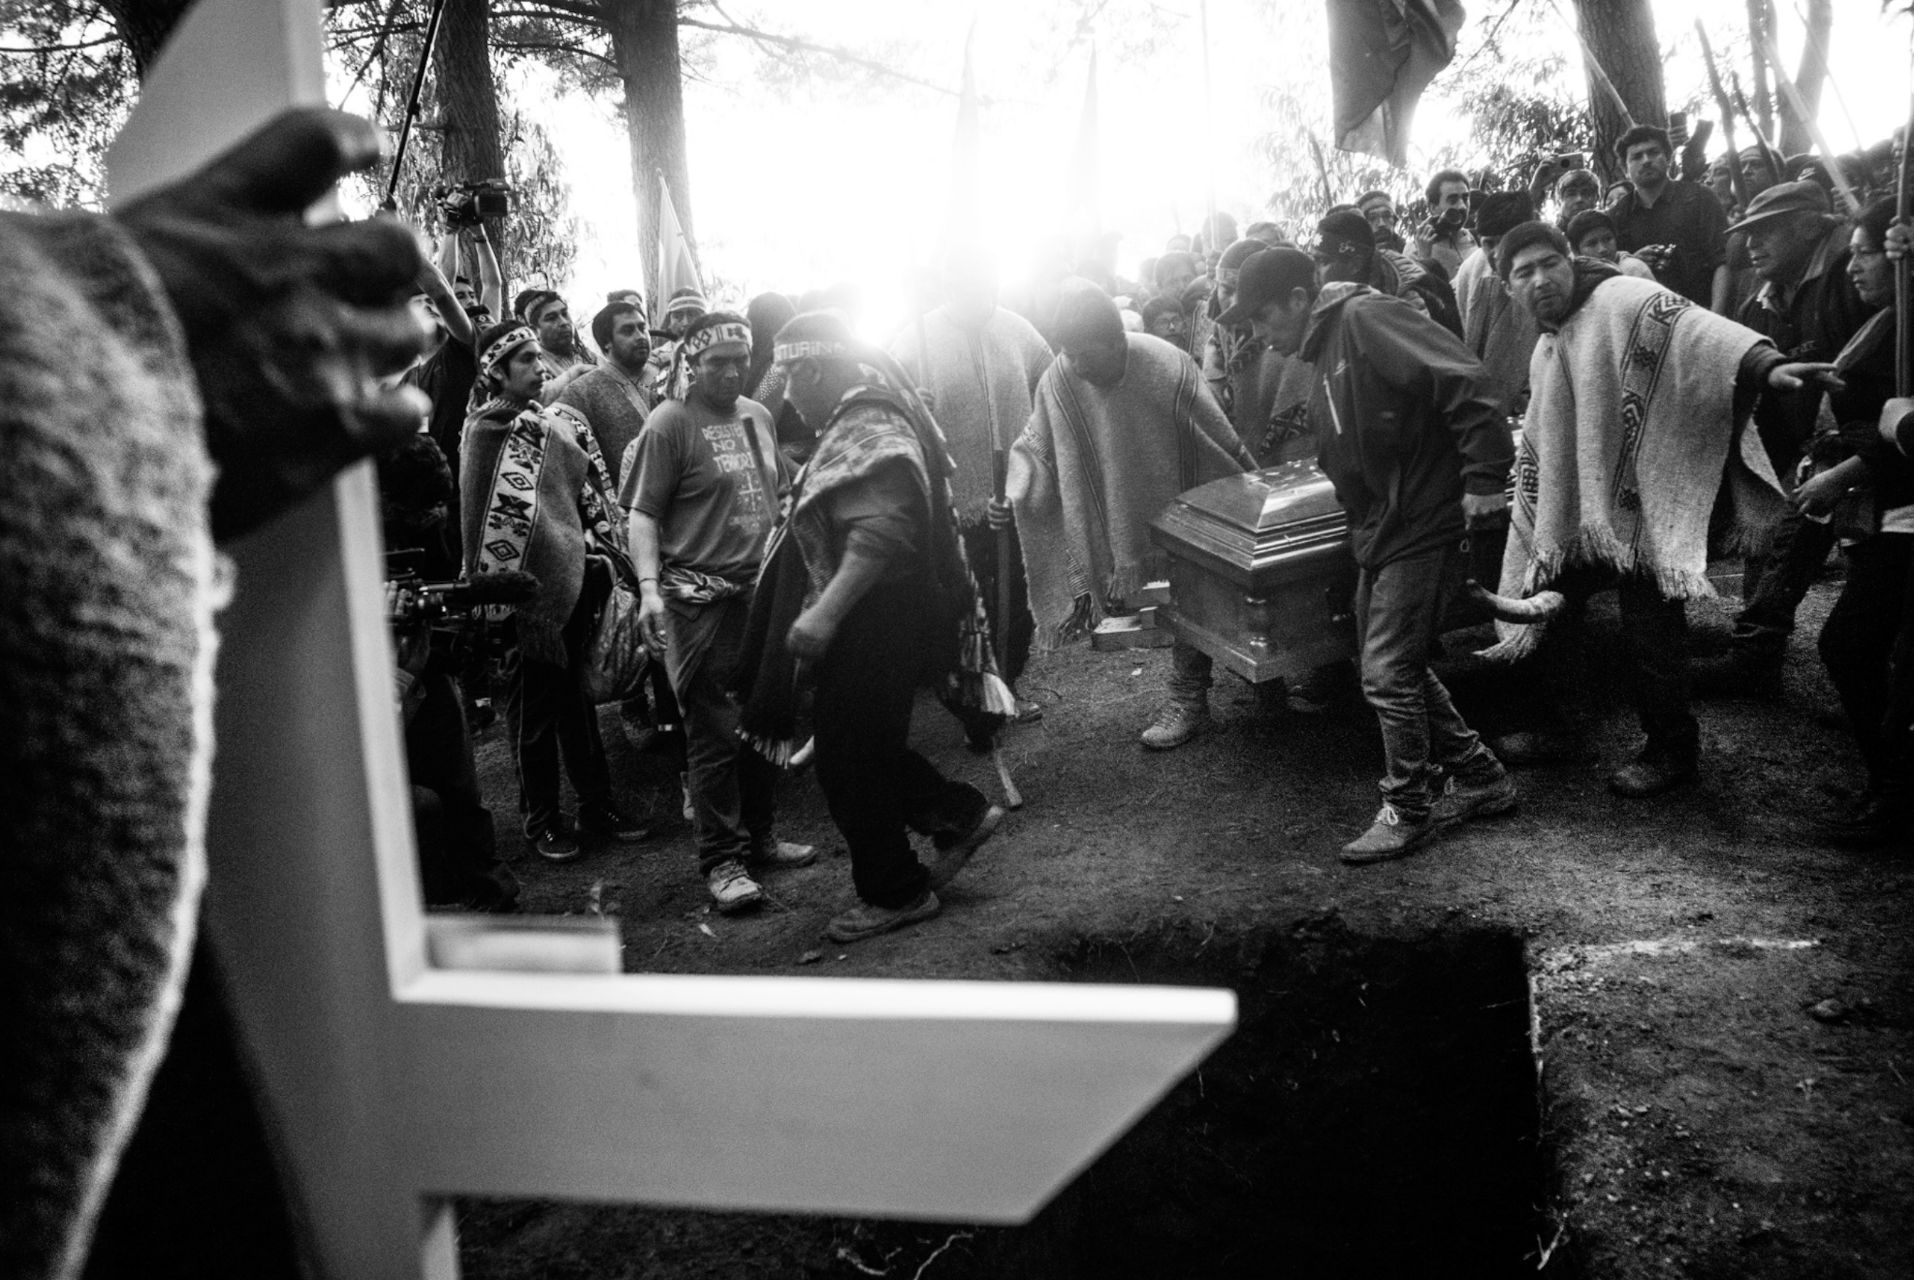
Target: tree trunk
[[471, 151], [644, 42], [1620, 35], [1761, 18], [1795, 137], [144, 25]]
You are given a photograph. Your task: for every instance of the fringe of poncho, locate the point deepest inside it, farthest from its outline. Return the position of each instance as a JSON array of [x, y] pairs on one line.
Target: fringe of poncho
[[1629, 436]]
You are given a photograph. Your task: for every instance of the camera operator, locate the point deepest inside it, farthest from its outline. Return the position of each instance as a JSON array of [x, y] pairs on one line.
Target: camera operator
[[1445, 238], [458, 863]]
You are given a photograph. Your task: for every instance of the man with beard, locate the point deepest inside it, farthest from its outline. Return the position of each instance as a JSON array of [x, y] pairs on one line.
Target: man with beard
[[1411, 434], [1445, 239], [865, 588], [612, 396], [981, 364], [558, 346], [533, 489], [1661, 210], [701, 490], [1636, 411]]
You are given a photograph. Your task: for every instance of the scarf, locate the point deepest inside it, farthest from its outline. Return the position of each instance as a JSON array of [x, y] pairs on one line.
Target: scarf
[[1095, 465], [881, 422], [1622, 471]]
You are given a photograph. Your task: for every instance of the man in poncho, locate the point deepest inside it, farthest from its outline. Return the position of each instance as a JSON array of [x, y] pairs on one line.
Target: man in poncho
[[1638, 406], [981, 364], [534, 493], [865, 589], [1122, 425]]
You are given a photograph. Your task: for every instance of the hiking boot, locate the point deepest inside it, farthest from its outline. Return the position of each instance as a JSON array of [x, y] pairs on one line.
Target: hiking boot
[[1529, 747], [732, 888], [1479, 797], [1655, 772], [1391, 835], [609, 822], [781, 855], [866, 920], [554, 844], [1175, 725], [1742, 672], [952, 857]]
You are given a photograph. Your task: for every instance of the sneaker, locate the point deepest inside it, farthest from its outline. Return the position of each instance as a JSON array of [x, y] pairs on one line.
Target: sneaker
[[554, 844], [1465, 798], [1028, 712], [732, 888], [609, 822], [867, 921], [952, 857], [1391, 835], [1175, 725], [781, 855]]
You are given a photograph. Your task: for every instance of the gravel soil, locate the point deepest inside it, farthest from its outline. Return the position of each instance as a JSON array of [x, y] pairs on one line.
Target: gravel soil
[[1662, 1038]]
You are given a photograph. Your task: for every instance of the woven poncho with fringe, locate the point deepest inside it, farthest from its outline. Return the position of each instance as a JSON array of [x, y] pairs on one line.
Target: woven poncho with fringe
[[881, 422], [1630, 434]]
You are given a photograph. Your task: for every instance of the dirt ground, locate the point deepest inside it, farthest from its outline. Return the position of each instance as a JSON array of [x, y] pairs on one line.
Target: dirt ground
[[1700, 1064]]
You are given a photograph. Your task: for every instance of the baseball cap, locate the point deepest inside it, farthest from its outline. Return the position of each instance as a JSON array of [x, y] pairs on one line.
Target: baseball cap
[[1266, 276]]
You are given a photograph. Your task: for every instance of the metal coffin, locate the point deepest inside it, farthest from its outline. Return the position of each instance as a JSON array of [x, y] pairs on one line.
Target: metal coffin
[[1260, 573]]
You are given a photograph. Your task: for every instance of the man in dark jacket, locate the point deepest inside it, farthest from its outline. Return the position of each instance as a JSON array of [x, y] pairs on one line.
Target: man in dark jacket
[[1411, 436]]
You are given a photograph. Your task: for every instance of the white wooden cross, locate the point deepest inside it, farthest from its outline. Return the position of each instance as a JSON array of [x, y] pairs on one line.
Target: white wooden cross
[[404, 1060]]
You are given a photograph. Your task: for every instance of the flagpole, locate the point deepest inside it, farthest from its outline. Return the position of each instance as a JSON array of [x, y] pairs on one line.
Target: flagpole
[[1209, 131]]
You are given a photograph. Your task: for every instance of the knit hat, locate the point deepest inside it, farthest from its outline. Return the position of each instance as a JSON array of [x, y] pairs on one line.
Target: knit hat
[[1085, 314], [1502, 212], [1230, 265]]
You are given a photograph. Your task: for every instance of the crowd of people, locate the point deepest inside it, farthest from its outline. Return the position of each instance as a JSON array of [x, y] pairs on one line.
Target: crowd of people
[[813, 528]]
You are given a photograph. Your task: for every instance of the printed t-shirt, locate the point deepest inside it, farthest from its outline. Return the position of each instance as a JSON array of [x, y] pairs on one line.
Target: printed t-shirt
[[710, 486]]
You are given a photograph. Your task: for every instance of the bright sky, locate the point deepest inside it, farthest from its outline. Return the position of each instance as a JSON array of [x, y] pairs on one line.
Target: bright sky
[[794, 190]]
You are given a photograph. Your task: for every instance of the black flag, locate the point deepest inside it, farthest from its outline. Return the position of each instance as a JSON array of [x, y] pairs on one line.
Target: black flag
[[1382, 55]]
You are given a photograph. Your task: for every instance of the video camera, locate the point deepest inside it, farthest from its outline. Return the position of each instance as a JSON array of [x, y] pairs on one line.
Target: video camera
[[464, 204], [445, 607]]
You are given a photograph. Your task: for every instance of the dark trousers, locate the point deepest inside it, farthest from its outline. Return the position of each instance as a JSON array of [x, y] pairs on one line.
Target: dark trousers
[[1655, 645], [980, 547], [546, 719], [875, 785], [1398, 607], [1782, 581], [1858, 641], [732, 786], [456, 845]]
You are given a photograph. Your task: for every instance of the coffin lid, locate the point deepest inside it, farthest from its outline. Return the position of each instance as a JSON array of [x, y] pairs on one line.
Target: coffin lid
[[1247, 523]]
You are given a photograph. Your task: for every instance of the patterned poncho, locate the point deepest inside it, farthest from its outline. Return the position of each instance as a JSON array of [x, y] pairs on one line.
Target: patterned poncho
[[881, 422]]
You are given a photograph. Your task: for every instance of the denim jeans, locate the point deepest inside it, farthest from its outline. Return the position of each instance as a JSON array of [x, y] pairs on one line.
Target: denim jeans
[[732, 786], [1397, 610]]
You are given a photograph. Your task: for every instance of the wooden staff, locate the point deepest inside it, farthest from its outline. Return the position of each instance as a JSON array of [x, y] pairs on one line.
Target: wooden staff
[[1765, 45], [1727, 119], [1903, 361], [1770, 154]]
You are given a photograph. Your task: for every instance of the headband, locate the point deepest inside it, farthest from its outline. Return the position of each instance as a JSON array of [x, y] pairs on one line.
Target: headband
[[711, 335], [493, 361], [809, 349]]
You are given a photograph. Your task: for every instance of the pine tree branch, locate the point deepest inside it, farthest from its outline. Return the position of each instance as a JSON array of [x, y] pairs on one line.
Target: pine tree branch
[[554, 46], [60, 48], [771, 40]]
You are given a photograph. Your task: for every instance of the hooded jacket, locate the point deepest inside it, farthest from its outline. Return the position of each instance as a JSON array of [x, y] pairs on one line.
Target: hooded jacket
[[1406, 421]]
